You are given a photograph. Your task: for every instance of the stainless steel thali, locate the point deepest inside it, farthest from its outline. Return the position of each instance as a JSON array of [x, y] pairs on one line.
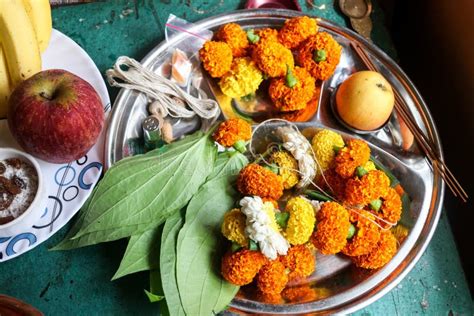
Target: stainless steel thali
[[350, 289]]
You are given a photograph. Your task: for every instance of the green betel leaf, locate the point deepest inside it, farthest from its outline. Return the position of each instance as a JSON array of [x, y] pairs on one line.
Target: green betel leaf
[[141, 192], [200, 243], [142, 253], [168, 264]]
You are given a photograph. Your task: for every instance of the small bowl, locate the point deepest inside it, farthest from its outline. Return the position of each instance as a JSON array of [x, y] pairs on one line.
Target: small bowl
[[347, 126], [36, 208]]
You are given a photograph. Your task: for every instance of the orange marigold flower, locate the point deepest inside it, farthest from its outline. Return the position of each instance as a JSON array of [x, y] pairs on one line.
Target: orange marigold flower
[[299, 294], [391, 209], [296, 30], [273, 58], [267, 34], [241, 267], [367, 234], [380, 255], [355, 153], [324, 68], [235, 37], [272, 277], [332, 228], [231, 131], [369, 187], [334, 183], [301, 262], [216, 58], [291, 99], [254, 179]]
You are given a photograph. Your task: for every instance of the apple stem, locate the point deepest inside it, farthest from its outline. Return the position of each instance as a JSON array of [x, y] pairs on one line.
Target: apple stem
[[46, 95]]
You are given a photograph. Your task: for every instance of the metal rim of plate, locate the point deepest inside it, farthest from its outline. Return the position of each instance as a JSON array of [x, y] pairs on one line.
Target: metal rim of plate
[[383, 280]]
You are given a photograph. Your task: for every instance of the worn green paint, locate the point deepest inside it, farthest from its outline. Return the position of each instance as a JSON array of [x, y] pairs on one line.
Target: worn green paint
[[78, 282]]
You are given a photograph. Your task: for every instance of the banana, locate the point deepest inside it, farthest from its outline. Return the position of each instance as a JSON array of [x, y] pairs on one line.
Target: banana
[[5, 88], [19, 43], [39, 12]]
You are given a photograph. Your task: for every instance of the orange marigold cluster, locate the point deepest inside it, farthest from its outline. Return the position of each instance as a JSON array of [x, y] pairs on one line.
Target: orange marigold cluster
[[356, 153], [231, 131], [367, 234], [369, 187], [391, 209], [380, 255], [296, 30], [235, 37], [216, 58], [272, 58], [300, 261], [321, 41], [332, 228], [254, 179], [241, 267], [272, 278], [291, 99]]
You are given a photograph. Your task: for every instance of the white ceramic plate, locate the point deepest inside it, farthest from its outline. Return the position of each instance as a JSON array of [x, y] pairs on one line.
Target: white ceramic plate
[[68, 185]]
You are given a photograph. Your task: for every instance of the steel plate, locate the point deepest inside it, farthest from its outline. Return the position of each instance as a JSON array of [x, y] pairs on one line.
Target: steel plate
[[350, 288]]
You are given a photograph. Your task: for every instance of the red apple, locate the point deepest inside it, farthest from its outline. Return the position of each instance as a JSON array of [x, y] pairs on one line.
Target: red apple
[[55, 116]]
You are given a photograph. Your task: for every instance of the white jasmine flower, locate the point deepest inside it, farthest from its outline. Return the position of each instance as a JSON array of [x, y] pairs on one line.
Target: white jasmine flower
[[300, 148], [262, 228]]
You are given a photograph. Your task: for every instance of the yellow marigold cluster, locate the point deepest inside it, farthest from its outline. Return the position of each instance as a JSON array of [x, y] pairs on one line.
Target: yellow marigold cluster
[[369, 187], [321, 41], [301, 222], [241, 267], [272, 277], [235, 37], [288, 167], [254, 179], [233, 227], [367, 234], [216, 58], [231, 131], [332, 228], [380, 255], [300, 261], [294, 98], [243, 78], [296, 30], [391, 209], [356, 153], [273, 58], [324, 142]]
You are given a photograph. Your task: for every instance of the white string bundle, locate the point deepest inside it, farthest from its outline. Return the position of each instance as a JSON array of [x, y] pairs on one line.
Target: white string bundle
[[169, 97]]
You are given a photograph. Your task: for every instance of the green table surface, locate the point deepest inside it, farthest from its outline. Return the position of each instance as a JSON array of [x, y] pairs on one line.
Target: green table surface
[[78, 282]]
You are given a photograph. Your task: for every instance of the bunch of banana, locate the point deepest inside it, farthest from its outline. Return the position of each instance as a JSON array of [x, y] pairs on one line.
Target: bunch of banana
[[25, 29]]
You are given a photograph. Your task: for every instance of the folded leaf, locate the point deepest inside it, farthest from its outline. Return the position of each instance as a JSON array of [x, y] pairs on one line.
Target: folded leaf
[[142, 253], [141, 192], [168, 263], [153, 297], [200, 244]]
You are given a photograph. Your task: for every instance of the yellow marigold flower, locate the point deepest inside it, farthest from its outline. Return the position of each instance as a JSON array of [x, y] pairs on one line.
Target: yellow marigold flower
[[300, 261], [300, 225], [231, 131], [355, 154], [241, 267], [332, 229], [380, 255], [323, 143], [235, 37], [243, 78], [287, 165], [254, 179], [272, 277], [216, 58], [369, 166], [233, 227], [367, 234], [296, 30]]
